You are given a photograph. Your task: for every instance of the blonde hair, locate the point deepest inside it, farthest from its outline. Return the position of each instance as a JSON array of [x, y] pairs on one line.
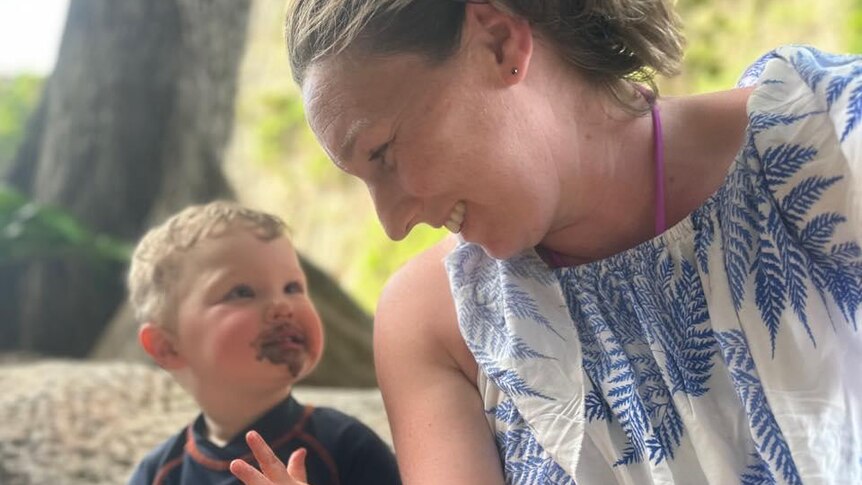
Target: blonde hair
[[157, 260], [611, 42]]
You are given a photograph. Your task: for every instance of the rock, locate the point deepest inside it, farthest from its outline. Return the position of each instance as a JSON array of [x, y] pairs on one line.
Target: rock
[[78, 422]]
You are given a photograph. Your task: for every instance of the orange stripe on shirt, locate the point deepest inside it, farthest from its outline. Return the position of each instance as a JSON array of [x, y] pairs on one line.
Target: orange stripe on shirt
[[165, 469], [222, 465], [323, 453]]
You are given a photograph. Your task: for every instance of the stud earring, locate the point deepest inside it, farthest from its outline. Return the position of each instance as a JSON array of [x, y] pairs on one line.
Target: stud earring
[[514, 71]]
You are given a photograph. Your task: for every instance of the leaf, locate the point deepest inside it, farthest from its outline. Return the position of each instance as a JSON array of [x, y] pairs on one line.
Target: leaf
[[759, 122], [595, 407], [853, 112], [510, 382], [768, 438], [30, 231], [838, 85], [817, 234], [796, 204], [522, 305], [805, 62], [782, 162], [506, 412]]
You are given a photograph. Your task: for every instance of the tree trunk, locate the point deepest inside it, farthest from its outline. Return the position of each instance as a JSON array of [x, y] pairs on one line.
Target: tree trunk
[[347, 357], [132, 126]]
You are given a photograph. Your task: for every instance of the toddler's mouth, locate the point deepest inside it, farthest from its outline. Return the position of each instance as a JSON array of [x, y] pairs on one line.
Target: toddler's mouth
[[283, 343], [282, 336]]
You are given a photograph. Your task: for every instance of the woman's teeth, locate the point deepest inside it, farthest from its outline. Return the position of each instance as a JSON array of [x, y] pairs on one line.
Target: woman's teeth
[[456, 218]]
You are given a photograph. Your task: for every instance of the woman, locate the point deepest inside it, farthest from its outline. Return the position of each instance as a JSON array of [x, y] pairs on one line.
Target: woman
[[642, 289]]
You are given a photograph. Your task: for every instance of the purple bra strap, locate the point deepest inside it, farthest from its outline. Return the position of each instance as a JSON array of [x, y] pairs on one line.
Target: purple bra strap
[[552, 257], [658, 159], [556, 260]]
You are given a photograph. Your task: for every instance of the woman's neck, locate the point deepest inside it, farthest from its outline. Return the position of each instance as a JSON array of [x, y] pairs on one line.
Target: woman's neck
[[607, 202], [604, 173]]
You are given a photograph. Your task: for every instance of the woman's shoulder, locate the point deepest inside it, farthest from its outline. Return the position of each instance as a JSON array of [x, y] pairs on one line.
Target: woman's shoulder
[[811, 81], [417, 302], [803, 155], [805, 94], [421, 281], [798, 62], [419, 290]]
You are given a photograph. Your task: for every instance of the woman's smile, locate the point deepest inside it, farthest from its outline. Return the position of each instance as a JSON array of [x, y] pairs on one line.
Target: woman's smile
[[456, 217]]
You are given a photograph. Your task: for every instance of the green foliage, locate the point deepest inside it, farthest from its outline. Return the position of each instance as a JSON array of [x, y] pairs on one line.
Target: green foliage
[[280, 127], [29, 231], [725, 36], [854, 27], [379, 257], [18, 96]]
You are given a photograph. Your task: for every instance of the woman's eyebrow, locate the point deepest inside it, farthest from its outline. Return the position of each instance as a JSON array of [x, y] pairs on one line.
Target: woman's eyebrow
[[345, 153]]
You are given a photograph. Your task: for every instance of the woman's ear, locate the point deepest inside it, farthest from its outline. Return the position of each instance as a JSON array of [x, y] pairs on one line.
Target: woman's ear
[[159, 344], [508, 39]]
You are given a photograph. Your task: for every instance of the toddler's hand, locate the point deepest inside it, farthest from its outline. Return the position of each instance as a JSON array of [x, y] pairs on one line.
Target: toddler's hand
[[274, 471]]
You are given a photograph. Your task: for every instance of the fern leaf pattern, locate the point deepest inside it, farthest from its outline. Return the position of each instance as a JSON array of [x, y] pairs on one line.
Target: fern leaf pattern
[[854, 110], [768, 437], [525, 461], [738, 219], [839, 84], [813, 65], [643, 348], [644, 337], [757, 473], [704, 234]]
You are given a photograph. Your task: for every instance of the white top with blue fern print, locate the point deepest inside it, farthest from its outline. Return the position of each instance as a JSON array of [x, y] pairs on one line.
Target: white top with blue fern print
[[725, 351]]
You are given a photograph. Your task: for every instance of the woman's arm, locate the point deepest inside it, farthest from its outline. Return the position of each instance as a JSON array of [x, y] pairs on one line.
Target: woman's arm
[[427, 377], [428, 380]]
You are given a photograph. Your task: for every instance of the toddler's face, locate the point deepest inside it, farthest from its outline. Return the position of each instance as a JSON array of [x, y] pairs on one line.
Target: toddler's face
[[246, 319]]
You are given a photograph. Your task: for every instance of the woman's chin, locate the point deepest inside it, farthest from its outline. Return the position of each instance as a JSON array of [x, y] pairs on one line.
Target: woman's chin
[[502, 247], [501, 250]]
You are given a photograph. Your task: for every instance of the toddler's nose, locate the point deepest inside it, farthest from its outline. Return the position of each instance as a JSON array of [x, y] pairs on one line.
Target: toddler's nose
[[278, 310]]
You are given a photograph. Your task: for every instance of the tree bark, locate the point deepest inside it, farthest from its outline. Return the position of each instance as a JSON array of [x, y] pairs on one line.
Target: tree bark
[[132, 126]]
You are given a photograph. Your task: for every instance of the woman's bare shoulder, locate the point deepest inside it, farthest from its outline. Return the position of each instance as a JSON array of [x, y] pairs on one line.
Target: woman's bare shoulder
[[420, 284], [427, 377], [417, 303]]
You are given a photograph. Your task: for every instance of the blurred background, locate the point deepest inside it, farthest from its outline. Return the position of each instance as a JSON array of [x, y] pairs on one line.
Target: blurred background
[[116, 114]]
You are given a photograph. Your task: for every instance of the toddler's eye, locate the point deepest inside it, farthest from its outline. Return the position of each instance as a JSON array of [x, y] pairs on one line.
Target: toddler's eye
[[240, 291], [293, 287]]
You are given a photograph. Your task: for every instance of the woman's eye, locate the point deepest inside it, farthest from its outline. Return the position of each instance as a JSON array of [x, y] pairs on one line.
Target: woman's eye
[[293, 287], [379, 156], [240, 291]]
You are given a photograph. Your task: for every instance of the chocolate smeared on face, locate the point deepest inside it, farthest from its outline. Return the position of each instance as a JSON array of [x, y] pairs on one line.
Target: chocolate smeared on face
[[282, 344]]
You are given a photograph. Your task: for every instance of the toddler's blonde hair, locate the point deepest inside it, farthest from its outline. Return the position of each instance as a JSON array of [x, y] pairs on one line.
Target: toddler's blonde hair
[[157, 260]]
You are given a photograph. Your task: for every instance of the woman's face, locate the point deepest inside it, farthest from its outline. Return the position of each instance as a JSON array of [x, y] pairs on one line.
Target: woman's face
[[431, 142]]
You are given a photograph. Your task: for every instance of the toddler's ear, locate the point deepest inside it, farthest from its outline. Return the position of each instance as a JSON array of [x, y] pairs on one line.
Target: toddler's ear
[[159, 343]]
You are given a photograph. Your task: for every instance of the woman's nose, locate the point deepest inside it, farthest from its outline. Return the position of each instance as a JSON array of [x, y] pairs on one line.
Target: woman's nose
[[396, 210]]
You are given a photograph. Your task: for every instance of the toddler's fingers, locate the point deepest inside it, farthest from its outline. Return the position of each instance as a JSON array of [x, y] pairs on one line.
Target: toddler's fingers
[[270, 465], [296, 465], [248, 474]]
